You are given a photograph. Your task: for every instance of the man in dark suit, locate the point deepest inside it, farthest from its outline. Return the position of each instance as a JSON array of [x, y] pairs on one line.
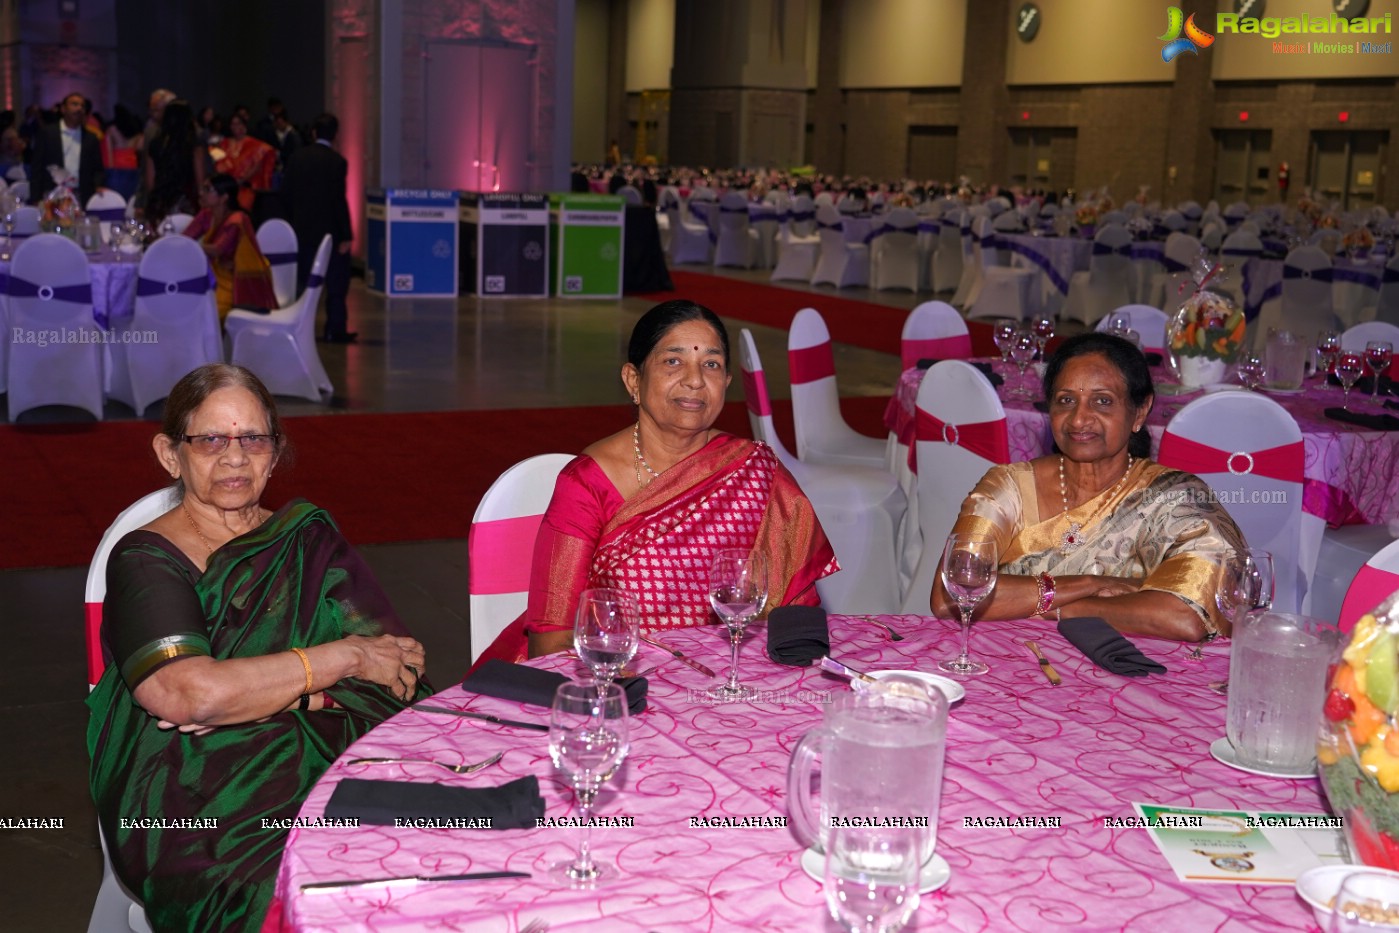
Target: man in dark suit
[[313, 192], [69, 146]]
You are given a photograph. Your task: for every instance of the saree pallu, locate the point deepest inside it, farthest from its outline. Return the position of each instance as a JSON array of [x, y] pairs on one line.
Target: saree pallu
[[293, 582], [1162, 526], [242, 274]]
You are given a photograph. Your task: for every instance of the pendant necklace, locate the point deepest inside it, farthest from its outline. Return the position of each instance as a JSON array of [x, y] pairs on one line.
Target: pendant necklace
[[640, 460], [1072, 539]]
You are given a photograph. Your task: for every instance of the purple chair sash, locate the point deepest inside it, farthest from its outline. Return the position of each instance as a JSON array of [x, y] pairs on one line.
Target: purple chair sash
[[315, 281], [1102, 249], [1324, 274], [280, 259], [108, 213], [145, 287], [17, 287]]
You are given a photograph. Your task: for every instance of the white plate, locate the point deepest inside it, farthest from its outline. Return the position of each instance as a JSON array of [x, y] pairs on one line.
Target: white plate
[[1319, 887], [1223, 387], [1275, 390], [936, 872], [950, 688], [1223, 753]]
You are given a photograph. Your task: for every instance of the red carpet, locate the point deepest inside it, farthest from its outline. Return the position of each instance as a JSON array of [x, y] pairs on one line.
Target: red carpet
[[859, 323], [385, 477]]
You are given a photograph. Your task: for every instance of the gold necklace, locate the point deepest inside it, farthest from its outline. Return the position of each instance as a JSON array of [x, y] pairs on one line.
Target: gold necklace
[[1071, 541], [190, 519], [640, 460]]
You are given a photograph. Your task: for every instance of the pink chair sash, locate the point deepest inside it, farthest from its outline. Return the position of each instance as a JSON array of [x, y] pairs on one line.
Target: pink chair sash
[[96, 664], [1281, 463], [501, 554], [811, 363], [987, 439], [958, 347], [1370, 587], [755, 393]]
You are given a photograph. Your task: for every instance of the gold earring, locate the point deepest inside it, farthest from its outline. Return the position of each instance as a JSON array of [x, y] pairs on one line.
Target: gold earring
[[636, 400]]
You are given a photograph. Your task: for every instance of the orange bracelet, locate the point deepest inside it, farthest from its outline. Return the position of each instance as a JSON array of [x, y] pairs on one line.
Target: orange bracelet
[[306, 663]]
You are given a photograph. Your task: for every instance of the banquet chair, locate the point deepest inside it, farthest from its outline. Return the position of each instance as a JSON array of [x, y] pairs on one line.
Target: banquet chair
[[822, 434], [1107, 282], [1248, 449], [824, 199], [277, 240], [109, 207], [178, 220], [894, 252], [1008, 222], [689, 239], [1305, 307], [116, 908], [1006, 291], [630, 195], [20, 190], [175, 304], [969, 282], [1212, 237], [765, 225], [1238, 255], [738, 242], [859, 508], [26, 221], [500, 545], [947, 257], [1353, 339], [840, 263], [50, 292], [934, 330], [1147, 321], [1118, 217], [797, 243], [962, 433], [1236, 213], [1376, 581], [1388, 307], [1175, 283], [280, 347]]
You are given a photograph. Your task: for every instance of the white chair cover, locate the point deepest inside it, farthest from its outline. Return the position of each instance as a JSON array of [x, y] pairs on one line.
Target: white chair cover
[[894, 252], [1388, 307], [859, 508], [934, 331], [947, 258], [630, 195], [841, 263], [689, 239], [1305, 307], [500, 549], [1261, 491], [1005, 291], [107, 207], [1353, 339], [1239, 256], [738, 243], [822, 434], [277, 240], [1107, 282], [1170, 288], [962, 434], [1148, 321], [1377, 580], [797, 242], [174, 328], [26, 220], [180, 221], [57, 358], [280, 347], [20, 190]]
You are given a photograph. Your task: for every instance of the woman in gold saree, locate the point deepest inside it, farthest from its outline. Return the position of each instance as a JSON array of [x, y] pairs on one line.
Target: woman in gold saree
[[242, 274], [248, 159], [1098, 529], [646, 508]]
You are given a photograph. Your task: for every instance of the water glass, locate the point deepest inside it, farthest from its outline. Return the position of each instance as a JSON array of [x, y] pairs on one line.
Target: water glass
[[1285, 360], [738, 589], [871, 878], [1043, 328], [1378, 354], [589, 736], [1349, 368], [1328, 348], [969, 565], [1003, 334], [1250, 372], [1367, 901], [605, 631]]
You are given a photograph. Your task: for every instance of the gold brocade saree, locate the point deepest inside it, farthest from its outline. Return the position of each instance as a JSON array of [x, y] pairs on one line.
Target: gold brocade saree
[[1161, 525]]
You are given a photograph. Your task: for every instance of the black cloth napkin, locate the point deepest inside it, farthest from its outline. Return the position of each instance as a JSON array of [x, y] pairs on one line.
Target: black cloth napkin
[[525, 684], [1377, 422], [515, 805], [986, 369], [797, 635], [1106, 647], [1153, 359], [1365, 385], [1041, 406]]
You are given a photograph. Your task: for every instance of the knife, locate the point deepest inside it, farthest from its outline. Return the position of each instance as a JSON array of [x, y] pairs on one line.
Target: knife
[[321, 887], [678, 655], [469, 714], [1049, 671]]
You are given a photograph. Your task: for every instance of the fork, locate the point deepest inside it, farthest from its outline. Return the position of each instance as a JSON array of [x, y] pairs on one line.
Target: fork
[[893, 635], [455, 769], [538, 925]]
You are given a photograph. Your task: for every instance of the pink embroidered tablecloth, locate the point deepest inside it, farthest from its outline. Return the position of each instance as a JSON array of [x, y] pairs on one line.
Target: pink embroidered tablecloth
[[1352, 473], [1082, 752]]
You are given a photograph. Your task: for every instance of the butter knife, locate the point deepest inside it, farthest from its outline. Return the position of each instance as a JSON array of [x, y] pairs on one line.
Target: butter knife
[[321, 887], [1049, 671], [678, 655], [468, 714]]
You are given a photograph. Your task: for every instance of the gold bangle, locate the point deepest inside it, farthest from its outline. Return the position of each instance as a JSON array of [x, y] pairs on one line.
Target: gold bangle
[[306, 663]]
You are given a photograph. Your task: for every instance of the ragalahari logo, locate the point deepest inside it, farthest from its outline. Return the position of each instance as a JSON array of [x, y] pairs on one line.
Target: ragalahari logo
[[1194, 38]]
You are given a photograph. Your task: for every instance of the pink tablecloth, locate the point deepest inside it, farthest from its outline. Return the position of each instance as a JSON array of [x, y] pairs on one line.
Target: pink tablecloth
[[1352, 474], [1081, 752]]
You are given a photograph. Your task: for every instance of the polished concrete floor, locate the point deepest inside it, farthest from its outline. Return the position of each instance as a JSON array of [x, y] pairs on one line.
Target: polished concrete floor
[[412, 356]]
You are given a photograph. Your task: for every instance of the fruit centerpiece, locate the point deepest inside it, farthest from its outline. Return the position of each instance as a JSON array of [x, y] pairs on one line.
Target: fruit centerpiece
[[1205, 336], [1358, 751]]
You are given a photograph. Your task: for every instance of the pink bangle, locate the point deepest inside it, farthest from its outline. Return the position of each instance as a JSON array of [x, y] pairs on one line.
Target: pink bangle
[[1045, 583]]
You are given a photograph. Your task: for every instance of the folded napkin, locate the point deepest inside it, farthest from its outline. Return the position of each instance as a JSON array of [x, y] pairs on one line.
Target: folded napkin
[[1041, 406], [525, 684], [510, 806], [1106, 647], [986, 369], [1365, 385], [797, 635], [1153, 359], [1378, 422]]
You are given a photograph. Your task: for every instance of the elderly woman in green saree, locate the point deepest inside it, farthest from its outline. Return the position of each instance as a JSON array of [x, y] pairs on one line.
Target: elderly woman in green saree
[[1098, 529], [247, 649]]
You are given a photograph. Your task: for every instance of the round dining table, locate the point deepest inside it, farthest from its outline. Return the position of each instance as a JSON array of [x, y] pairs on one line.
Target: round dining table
[[1035, 825]]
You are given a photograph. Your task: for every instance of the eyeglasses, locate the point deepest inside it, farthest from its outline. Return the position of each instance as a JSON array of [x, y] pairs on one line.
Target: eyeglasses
[[218, 443]]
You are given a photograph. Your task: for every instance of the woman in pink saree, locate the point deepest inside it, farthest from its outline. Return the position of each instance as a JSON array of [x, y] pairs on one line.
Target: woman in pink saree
[[645, 509]]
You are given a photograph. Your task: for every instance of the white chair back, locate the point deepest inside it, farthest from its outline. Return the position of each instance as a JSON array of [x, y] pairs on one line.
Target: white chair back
[[1147, 321], [1249, 450], [280, 347], [108, 207], [178, 220], [1376, 582], [277, 240], [630, 195], [1388, 307], [840, 263], [934, 331], [1108, 283], [26, 220], [947, 258], [500, 548], [1306, 292], [803, 219], [1354, 339], [894, 252], [822, 434], [20, 190], [737, 243]]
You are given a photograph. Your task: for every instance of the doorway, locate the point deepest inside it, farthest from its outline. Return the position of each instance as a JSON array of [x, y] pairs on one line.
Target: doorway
[[1243, 166], [478, 114], [1043, 157], [1346, 166]]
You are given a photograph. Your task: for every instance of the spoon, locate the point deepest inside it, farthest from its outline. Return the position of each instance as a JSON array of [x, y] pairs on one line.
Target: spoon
[[455, 769], [893, 635]]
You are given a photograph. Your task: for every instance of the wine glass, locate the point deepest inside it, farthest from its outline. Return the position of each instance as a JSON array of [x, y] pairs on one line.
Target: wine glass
[[1349, 368], [1250, 372], [1003, 333], [588, 739], [9, 221], [1366, 901], [1378, 353], [872, 874], [738, 588], [1328, 348], [1043, 328], [969, 575], [605, 631], [1119, 324], [1022, 350], [1246, 583]]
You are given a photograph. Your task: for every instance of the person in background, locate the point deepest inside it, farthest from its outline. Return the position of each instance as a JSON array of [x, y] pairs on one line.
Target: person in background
[[176, 165], [155, 112], [313, 196], [242, 274], [250, 161], [69, 146], [12, 155]]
